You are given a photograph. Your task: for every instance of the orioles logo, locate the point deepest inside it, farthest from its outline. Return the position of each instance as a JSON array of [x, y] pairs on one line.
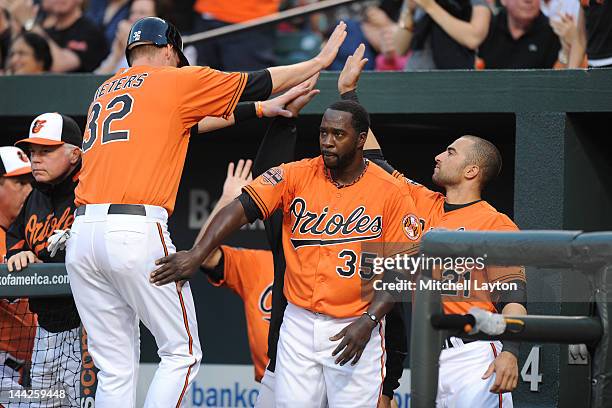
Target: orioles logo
[[38, 125], [22, 156], [412, 227], [37, 231], [265, 303]]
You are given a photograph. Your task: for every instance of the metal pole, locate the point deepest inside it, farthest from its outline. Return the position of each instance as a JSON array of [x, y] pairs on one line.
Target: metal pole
[[426, 344], [546, 329]]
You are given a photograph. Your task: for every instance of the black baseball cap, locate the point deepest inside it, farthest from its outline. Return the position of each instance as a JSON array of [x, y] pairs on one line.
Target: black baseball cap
[[54, 129]]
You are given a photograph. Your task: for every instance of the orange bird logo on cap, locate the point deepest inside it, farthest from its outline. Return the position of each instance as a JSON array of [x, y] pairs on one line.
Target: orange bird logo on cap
[[22, 156], [38, 125]]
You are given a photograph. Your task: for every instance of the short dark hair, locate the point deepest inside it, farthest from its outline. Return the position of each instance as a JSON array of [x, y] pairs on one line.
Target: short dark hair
[[360, 118], [486, 156], [40, 46]]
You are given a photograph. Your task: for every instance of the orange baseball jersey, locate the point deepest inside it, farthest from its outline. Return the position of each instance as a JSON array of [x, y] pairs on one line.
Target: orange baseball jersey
[[236, 11], [2, 245], [17, 329], [480, 216], [325, 226], [138, 128], [250, 274]]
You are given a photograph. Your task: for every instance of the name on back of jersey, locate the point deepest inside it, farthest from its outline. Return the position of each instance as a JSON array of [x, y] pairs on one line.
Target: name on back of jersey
[[124, 82]]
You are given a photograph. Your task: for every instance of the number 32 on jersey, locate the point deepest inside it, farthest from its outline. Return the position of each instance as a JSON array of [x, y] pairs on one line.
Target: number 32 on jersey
[[117, 109]]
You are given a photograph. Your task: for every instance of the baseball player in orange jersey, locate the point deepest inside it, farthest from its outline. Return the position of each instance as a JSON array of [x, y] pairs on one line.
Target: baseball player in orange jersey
[[135, 142], [476, 373], [247, 272], [331, 204], [17, 323]]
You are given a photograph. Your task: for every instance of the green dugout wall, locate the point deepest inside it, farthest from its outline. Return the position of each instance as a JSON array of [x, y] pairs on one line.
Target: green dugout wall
[[552, 128]]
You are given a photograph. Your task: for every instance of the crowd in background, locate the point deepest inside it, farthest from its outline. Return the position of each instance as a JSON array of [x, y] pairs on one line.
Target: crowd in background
[[38, 36]]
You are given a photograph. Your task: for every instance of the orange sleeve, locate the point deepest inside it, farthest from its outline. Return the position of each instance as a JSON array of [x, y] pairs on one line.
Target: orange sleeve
[[402, 229], [505, 273], [203, 91], [424, 198], [269, 189], [243, 268]]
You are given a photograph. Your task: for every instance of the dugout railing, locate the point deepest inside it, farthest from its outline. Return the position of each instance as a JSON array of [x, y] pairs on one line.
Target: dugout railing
[[588, 254]]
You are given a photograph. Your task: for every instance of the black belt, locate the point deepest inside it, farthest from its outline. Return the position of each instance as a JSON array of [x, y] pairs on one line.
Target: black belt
[[127, 209], [448, 344], [15, 365]]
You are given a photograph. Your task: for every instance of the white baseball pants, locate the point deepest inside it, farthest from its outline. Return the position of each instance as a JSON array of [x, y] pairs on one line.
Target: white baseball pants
[[109, 258], [265, 398], [460, 383], [306, 372]]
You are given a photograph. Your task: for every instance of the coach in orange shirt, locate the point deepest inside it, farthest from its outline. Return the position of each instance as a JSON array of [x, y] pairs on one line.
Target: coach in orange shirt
[[138, 128], [249, 50]]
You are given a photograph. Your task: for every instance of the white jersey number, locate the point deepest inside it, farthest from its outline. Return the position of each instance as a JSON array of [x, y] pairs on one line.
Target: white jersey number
[[125, 102], [531, 369]]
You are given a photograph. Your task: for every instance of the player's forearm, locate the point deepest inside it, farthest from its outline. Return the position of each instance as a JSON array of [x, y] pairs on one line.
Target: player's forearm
[[471, 33], [223, 201], [287, 76], [371, 142], [514, 309], [213, 259], [229, 219], [381, 304]]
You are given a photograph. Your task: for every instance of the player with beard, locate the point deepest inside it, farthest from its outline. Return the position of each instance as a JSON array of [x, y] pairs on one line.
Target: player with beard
[[331, 205]]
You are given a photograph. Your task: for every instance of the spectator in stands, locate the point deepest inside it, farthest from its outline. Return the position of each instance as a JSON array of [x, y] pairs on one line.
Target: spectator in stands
[[442, 34], [363, 26], [107, 14], [389, 59], [30, 54], [563, 17], [593, 36], [5, 35], [520, 36], [116, 58], [250, 50], [76, 44]]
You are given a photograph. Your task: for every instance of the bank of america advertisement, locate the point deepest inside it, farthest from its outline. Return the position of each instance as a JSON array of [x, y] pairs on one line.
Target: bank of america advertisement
[[220, 385]]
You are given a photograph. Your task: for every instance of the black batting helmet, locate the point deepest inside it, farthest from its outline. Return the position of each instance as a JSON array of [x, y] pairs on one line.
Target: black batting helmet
[[156, 31]]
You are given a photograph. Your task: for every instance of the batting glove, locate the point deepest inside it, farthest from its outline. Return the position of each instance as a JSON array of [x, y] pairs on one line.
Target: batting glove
[[57, 241]]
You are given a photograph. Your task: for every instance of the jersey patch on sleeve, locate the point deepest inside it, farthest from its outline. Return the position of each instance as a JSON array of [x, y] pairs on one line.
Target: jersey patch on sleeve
[[412, 227], [273, 176]]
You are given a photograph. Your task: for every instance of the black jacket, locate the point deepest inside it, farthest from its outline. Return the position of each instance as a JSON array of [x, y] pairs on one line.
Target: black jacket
[[47, 208]]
